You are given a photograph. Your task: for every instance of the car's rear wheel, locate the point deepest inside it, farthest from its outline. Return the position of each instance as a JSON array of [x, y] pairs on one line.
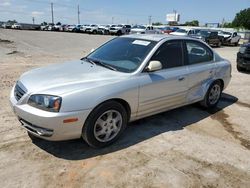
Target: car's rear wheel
[[105, 124], [213, 95]]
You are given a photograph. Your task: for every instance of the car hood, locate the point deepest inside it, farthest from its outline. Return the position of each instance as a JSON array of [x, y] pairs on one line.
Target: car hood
[[67, 77]]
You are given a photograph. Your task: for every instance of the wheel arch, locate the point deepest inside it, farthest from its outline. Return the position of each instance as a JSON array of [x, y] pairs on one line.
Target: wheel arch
[[123, 102]]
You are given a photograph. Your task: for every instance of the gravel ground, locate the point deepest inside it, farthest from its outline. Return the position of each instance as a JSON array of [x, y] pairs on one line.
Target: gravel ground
[[185, 147]]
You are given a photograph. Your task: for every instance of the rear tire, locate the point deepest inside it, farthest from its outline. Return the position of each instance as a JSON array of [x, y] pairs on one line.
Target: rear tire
[[105, 124], [213, 95]]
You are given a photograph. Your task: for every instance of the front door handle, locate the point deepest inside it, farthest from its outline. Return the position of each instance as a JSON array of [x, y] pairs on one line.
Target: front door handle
[[181, 78]]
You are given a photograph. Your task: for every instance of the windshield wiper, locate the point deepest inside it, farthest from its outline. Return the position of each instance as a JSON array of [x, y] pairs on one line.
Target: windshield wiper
[[88, 60], [97, 62]]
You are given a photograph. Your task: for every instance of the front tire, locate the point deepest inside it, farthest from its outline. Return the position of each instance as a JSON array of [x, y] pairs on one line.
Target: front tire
[[213, 95], [240, 69], [105, 124]]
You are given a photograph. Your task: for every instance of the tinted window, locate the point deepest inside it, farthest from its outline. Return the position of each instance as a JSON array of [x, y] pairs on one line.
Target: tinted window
[[169, 54], [198, 53]]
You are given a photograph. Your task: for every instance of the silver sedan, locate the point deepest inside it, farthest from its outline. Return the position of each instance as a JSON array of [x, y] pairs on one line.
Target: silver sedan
[[126, 79]]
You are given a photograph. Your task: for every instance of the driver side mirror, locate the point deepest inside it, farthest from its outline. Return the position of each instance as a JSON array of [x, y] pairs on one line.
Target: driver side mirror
[[153, 66]]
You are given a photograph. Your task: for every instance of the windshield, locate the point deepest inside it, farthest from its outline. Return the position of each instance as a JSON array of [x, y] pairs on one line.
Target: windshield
[[123, 54], [138, 27], [181, 31]]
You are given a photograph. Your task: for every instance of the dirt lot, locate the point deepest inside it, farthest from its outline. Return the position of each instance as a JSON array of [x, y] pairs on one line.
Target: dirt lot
[[186, 147]]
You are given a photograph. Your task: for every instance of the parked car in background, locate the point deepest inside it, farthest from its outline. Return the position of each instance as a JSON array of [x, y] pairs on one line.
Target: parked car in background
[[16, 26], [141, 29], [84, 27], [103, 29], [70, 28], [92, 29], [7, 25], [167, 30], [209, 36], [230, 38], [118, 30], [58, 27], [126, 79], [77, 28], [183, 32], [243, 57]]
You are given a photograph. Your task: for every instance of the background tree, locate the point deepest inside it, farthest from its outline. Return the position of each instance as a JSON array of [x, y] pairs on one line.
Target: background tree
[[58, 23], [44, 23], [157, 23], [11, 22], [242, 19], [192, 23]]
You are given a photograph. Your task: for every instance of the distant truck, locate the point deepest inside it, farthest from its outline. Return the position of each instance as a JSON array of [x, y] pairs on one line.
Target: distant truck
[[229, 38]]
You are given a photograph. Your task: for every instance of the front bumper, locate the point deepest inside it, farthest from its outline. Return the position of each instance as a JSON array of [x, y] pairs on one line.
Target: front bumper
[[49, 125]]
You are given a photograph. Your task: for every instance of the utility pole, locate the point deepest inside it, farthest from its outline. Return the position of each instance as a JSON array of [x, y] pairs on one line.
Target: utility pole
[[78, 14], [149, 20], [33, 20], [52, 13], [113, 20]]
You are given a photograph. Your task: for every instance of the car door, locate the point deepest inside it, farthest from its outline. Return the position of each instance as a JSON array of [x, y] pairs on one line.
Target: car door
[[165, 88], [201, 68]]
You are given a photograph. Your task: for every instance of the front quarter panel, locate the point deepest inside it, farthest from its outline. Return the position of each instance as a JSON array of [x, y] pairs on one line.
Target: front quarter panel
[[126, 89]]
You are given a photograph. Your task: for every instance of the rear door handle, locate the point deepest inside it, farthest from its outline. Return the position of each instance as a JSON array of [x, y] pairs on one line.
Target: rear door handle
[[181, 78]]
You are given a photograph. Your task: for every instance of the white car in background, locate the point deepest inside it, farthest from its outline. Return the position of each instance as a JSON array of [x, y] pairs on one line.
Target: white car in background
[[84, 27], [16, 26], [70, 28], [141, 29], [118, 30], [92, 29], [230, 38], [183, 32]]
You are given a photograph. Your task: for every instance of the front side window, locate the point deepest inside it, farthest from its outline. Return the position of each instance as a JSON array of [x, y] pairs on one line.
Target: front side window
[[123, 54], [198, 52], [169, 54]]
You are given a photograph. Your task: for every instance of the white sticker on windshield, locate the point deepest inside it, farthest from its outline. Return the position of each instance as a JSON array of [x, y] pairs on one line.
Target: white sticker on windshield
[[141, 42]]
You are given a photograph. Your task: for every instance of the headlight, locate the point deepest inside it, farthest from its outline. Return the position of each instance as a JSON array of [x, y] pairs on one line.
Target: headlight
[[242, 49], [46, 102]]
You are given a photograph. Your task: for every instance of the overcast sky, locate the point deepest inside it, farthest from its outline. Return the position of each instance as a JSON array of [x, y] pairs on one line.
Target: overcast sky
[[128, 11]]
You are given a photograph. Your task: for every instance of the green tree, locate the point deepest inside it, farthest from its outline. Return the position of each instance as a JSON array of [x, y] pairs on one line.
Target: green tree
[[11, 22], [227, 25], [192, 23], [157, 23], [242, 19]]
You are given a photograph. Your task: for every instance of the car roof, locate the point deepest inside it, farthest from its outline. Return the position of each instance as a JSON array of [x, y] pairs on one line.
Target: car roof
[[154, 37]]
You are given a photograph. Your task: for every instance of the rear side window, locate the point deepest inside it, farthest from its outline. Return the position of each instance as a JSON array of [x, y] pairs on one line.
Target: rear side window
[[198, 53], [169, 54]]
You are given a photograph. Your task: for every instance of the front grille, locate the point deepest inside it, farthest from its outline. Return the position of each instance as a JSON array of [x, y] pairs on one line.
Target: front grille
[[18, 92]]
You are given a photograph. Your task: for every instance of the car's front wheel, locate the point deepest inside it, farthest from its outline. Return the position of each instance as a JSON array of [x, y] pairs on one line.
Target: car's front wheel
[[213, 95], [105, 124], [239, 68]]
